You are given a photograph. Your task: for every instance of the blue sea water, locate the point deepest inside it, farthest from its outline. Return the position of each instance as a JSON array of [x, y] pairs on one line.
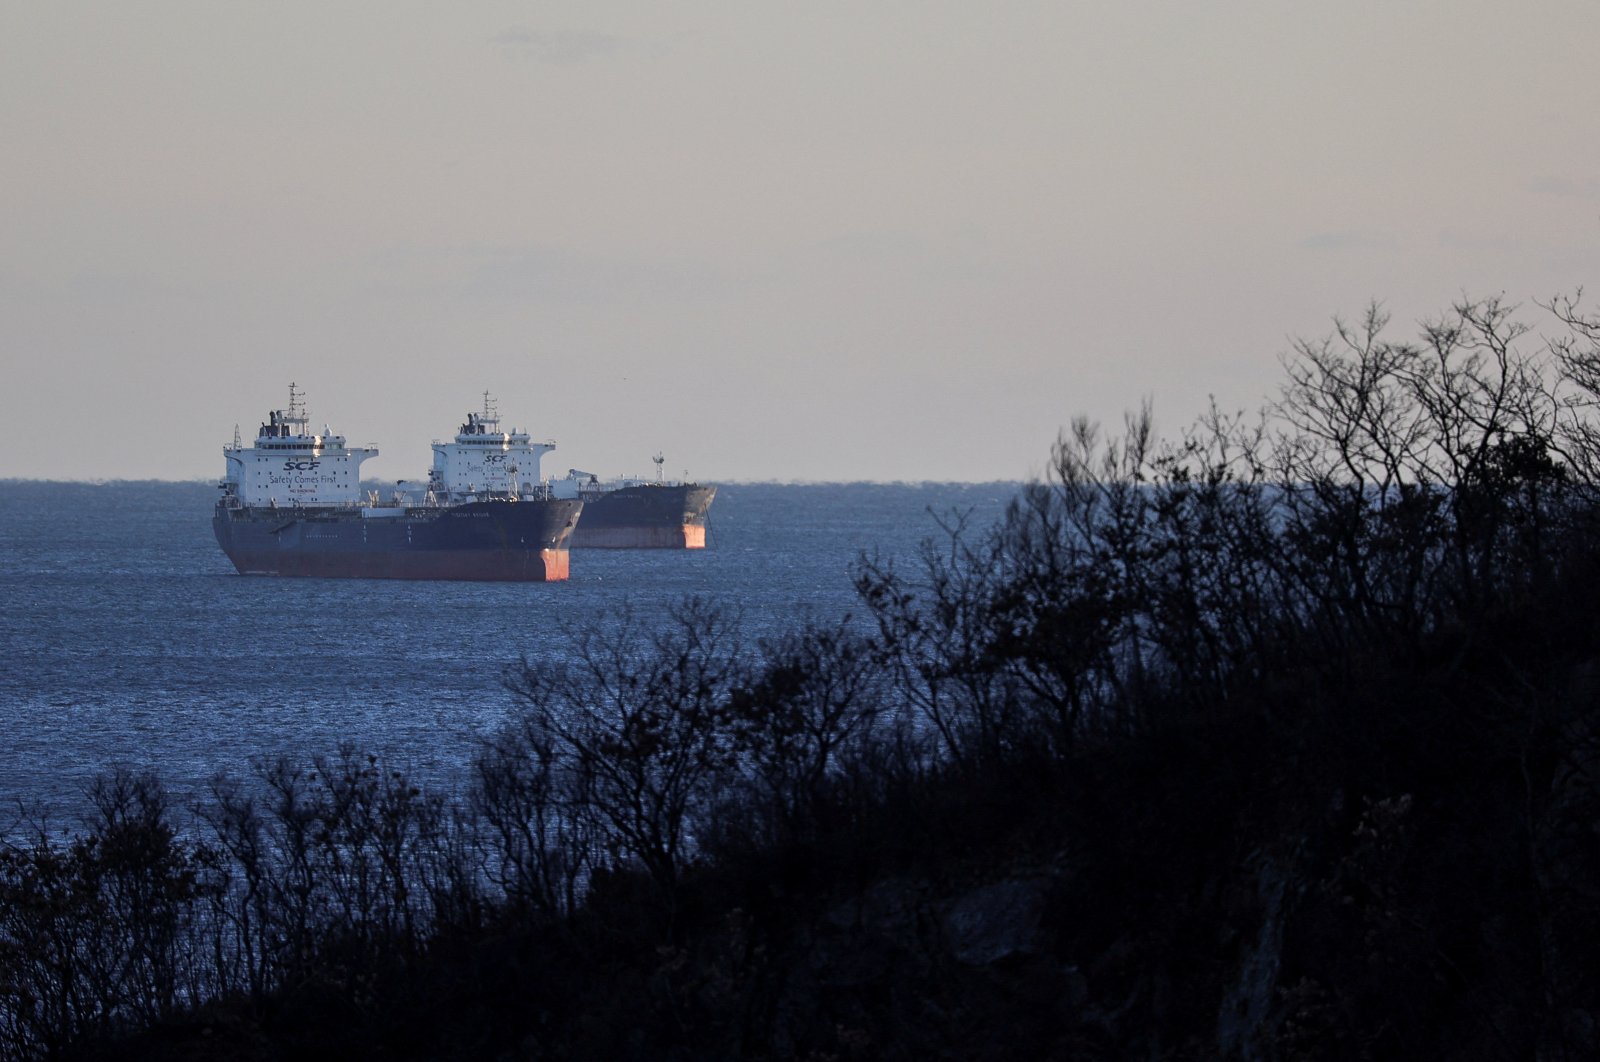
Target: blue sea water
[[127, 638]]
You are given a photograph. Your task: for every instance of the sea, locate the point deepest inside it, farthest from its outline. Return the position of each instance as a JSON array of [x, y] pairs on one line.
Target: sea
[[127, 639]]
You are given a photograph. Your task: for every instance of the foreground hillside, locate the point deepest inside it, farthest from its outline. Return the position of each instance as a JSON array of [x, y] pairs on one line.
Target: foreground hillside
[[1370, 862]]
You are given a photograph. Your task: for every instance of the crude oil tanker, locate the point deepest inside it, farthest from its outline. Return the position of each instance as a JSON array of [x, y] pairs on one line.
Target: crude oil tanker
[[636, 513], [292, 505]]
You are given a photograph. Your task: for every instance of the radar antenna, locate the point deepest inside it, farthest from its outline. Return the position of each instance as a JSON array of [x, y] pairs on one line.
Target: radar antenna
[[659, 460]]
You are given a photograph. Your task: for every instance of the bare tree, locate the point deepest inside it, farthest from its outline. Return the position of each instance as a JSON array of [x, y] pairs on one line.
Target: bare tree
[[641, 729], [812, 700], [523, 797]]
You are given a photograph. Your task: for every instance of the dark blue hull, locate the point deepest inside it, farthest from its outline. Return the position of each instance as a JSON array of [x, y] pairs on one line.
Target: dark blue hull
[[523, 541], [646, 516]]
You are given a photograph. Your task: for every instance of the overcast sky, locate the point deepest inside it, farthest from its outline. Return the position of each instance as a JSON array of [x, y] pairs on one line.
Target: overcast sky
[[813, 241]]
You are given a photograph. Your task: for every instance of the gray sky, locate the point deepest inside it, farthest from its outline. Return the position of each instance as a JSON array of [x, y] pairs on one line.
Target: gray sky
[[814, 240]]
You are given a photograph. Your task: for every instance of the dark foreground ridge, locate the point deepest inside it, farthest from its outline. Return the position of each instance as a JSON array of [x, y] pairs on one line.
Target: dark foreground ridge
[[1276, 742]]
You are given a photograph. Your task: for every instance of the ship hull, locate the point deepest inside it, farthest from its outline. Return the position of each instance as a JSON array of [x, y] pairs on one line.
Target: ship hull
[[645, 516], [523, 541]]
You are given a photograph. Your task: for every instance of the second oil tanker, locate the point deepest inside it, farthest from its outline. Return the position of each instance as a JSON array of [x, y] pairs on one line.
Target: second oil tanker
[[617, 514]]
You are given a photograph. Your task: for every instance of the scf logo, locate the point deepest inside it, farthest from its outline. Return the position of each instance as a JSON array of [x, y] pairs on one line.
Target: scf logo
[[300, 466]]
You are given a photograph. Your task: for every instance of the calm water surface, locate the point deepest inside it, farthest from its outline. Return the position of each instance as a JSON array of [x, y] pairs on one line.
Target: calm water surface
[[126, 637]]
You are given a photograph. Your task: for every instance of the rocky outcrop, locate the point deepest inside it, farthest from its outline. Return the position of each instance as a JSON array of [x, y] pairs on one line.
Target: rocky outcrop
[[997, 921]]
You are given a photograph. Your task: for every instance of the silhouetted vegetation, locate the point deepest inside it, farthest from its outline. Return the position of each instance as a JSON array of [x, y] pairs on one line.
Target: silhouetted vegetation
[[1275, 741]]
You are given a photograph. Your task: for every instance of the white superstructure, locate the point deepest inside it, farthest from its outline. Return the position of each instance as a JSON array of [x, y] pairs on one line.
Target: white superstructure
[[483, 460], [290, 466]]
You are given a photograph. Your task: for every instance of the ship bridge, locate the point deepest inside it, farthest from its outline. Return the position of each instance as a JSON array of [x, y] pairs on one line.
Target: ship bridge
[[290, 465], [483, 460]]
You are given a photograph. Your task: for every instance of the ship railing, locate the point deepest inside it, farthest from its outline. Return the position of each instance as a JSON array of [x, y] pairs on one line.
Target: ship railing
[[534, 492]]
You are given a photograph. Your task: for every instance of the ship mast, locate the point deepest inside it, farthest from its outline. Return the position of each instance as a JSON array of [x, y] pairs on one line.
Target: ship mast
[[295, 421]]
